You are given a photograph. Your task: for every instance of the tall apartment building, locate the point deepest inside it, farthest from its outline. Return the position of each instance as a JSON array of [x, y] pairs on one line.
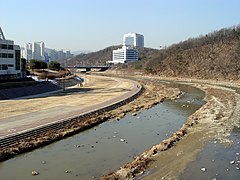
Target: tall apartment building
[[133, 39], [26, 52], [38, 50], [124, 55], [10, 59]]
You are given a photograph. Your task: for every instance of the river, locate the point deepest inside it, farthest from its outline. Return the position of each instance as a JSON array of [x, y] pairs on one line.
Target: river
[[104, 148]]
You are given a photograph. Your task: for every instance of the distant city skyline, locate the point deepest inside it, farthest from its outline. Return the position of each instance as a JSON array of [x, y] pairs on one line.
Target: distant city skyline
[[38, 51], [94, 24]]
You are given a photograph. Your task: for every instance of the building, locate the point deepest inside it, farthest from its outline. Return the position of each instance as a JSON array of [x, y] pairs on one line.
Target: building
[[53, 54], [68, 54], [10, 59], [28, 51], [38, 50], [124, 55], [133, 39]]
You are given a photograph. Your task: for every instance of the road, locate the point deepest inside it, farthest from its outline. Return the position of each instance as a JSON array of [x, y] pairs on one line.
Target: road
[[30, 112]]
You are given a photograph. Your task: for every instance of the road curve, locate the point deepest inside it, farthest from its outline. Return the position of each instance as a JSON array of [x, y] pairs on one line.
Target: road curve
[[17, 131]]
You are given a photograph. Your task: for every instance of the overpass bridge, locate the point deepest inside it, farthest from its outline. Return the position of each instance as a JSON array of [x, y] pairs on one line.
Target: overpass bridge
[[89, 68]]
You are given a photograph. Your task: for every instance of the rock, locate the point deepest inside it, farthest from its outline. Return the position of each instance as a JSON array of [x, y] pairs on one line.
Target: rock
[[232, 162], [43, 162], [134, 114], [67, 171], [92, 146], [122, 140], [34, 173], [237, 154], [237, 168], [203, 169]]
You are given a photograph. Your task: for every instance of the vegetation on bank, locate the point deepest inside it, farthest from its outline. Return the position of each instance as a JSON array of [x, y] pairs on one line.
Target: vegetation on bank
[[43, 70], [213, 56], [100, 58], [38, 64]]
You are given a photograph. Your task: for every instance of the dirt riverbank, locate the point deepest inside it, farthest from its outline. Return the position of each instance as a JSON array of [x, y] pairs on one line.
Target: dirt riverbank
[[214, 120]]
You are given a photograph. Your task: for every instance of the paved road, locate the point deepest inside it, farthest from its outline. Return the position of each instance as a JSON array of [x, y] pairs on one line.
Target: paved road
[[117, 91]]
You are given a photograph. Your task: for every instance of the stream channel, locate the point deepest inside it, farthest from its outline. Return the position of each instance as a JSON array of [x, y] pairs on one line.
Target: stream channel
[[104, 148]]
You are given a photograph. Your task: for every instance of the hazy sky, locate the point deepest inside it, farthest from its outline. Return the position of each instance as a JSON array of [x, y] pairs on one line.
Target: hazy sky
[[96, 24]]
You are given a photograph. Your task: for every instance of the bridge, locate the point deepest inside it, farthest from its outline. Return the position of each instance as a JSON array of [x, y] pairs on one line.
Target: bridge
[[89, 68]]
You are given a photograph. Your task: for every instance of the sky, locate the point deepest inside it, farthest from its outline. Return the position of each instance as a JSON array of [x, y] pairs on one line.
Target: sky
[[96, 24]]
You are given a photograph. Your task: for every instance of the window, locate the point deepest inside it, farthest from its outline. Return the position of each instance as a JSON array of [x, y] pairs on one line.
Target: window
[[4, 67], [4, 55], [10, 47], [10, 55], [10, 65], [17, 60], [3, 46]]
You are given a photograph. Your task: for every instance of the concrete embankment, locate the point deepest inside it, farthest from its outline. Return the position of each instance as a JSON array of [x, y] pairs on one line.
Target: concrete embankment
[[38, 88]]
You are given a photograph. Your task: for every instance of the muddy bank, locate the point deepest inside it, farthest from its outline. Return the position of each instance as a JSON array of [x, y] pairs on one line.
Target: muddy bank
[[146, 100], [167, 160]]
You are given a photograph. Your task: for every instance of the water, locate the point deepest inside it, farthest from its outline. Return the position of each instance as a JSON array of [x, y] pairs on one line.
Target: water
[[220, 162], [106, 147]]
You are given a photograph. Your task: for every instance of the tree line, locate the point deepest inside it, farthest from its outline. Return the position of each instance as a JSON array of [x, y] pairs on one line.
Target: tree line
[[38, 64]]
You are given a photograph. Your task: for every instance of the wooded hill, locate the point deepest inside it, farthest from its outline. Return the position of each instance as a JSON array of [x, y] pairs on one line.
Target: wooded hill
[[213, 56], [99, 58]]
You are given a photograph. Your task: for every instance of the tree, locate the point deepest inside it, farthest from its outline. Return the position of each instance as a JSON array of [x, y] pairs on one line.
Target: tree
[[54, 65], [37, 64], [23, 64]]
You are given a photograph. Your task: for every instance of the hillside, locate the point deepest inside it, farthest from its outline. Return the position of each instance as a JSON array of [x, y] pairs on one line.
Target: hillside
[[213, 56], [100, 57]]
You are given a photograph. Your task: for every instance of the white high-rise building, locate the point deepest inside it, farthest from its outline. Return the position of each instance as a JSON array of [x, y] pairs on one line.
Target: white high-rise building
[[133, 39], [38, 50], [10, 59], [124, 55], [26, 52]]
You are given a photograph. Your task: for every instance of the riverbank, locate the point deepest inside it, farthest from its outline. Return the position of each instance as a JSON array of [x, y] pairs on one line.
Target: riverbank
[[215, 120], [145, 101]]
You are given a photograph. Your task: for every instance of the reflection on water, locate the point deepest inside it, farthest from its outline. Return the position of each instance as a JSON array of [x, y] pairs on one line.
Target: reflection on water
[[106, 147]]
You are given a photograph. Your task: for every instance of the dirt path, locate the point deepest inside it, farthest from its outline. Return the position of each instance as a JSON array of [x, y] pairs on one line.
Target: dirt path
[[17, 115]]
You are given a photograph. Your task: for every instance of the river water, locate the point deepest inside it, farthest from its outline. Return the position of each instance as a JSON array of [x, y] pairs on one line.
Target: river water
[[219, 161], [104, 148]]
